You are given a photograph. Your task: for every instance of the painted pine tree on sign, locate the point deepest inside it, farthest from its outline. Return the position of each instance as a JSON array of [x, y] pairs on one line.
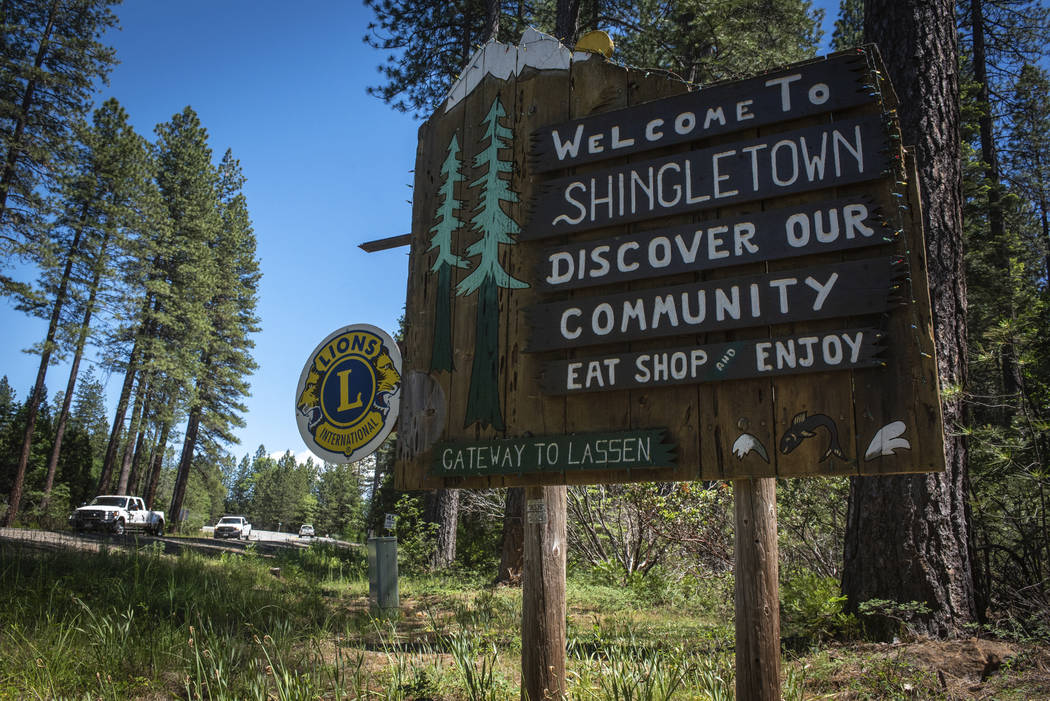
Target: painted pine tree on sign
[[445, 223], [488, 276]]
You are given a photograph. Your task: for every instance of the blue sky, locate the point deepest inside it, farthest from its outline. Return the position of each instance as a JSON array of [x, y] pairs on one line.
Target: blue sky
[[327, 168]]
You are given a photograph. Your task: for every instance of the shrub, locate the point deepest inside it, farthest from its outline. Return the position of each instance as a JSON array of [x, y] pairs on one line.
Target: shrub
[[811, 610]]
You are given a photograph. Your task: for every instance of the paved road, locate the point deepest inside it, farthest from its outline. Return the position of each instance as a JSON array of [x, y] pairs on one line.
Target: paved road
[[265, 542]]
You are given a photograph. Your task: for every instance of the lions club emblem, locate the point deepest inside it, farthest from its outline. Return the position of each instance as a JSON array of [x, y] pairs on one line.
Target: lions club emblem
[[348, 395]]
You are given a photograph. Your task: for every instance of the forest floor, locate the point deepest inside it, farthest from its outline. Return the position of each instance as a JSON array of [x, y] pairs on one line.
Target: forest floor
[[83, 618]]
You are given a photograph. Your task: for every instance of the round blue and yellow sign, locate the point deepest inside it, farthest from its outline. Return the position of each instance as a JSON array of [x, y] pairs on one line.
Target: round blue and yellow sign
[[349, 393]]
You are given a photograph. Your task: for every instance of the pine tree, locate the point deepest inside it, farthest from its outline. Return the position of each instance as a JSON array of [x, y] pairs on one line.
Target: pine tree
[[117, 167], [1028, 161], [428, 42], [849, 27], [50, 61], [704, 41], [225, 356], [339, 503], [1001, 33], [94, 192], [496, 228], [445, 223], [7, 403], [907, 537]]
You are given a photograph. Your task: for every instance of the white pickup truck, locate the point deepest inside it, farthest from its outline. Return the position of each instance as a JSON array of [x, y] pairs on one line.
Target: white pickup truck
[[233, 527], [117, 514]]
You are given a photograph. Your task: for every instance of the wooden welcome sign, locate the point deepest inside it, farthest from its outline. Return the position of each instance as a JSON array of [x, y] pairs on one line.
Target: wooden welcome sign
[[614, 279]]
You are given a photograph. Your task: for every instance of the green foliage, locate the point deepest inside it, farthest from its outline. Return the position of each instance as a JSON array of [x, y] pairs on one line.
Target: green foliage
[[327, 561], [811, 524], [340, 504], [476, 663], [426, 44], [628, 669], [704, 42], [811, 610], [904, 613], [51, 61], [415, 536], [281, 492], [895, 678], [849, 27]]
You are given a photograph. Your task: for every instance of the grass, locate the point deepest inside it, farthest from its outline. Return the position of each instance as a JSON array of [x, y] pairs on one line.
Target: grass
[[144, 625]]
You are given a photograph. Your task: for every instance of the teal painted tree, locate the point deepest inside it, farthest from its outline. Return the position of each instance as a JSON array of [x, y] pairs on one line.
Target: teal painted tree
[[488, 276], [445, 222]]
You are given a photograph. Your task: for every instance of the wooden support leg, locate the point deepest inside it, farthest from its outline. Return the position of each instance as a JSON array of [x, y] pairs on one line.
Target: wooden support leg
[[543, 595], [757, 591]]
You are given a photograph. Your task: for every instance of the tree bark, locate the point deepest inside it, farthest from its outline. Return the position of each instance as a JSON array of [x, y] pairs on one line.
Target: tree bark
[[513, 550], [443, 511], [907, 537], [133, 430], [117, 430], [136, 462], [492, 13], [189, 445], [567, 21], [156, 463]]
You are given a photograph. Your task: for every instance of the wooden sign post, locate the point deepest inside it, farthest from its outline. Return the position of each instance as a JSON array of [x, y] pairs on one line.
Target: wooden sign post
[[733, 269], [543, 595], [757, 595]]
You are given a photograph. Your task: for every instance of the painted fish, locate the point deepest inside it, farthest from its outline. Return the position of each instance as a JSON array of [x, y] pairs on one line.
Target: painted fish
[[804, 426]]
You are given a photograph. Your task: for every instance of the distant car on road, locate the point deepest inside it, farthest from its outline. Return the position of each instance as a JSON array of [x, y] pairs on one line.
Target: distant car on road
[[306, 531], [233, 527], [115, 514]]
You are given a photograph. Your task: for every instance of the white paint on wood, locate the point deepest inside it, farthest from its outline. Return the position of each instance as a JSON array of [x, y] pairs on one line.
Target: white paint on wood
[[887, 441], [536, 50]]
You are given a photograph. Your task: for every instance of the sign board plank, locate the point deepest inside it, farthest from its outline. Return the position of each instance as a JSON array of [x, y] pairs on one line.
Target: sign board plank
[[839, 349], [791, 232], [788, 163], [866, 286], [825, 85], [621, 450]]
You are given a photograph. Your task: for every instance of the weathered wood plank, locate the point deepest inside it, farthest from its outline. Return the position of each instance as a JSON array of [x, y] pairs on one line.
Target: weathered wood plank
[[801, 90]]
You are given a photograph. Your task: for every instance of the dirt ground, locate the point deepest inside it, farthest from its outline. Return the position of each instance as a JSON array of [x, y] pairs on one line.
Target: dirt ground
[[969, 668]]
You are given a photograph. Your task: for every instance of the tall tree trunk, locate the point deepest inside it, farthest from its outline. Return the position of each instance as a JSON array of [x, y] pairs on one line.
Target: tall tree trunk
[[156, 463], [140, 446], [1044, 218], [513, 549], [134, 361], [74, 370], [1009, 368], [443, 511], [189, 445], [137, 412], [492, 13], [567, 21], [907, 538], [18, 133], [35, 396]]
